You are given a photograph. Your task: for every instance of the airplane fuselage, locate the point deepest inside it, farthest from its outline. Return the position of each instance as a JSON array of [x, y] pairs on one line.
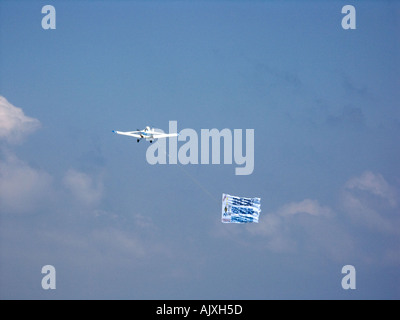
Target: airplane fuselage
[[147, 134]]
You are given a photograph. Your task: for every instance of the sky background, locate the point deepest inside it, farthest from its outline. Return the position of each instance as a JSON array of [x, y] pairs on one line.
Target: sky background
[[324, 104]]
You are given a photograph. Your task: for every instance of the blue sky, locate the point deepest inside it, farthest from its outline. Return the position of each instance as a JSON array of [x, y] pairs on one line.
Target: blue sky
[[323, 102]]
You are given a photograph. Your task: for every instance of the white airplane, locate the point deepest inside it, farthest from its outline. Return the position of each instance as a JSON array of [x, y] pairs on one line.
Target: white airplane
[[147, 134]]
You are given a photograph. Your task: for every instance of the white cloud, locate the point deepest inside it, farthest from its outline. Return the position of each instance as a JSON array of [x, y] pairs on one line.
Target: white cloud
[[280, 227], [144, 222], [372, 205], [272, 226], [308, 206], [119, 241], [22, 188], [373, 183], [83, 187], [14, 124], [370, 201]]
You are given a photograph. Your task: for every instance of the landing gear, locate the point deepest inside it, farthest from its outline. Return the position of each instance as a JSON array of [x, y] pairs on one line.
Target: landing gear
[[151, 141], [138, 140]]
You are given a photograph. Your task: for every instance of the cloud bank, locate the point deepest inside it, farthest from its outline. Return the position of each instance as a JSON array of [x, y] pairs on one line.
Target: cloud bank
[[83, 187], [22, 188], [367, 204], [371, 202]]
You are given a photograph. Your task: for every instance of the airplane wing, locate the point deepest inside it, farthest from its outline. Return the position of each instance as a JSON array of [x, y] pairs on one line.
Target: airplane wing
[[131, 133], [158, 135]]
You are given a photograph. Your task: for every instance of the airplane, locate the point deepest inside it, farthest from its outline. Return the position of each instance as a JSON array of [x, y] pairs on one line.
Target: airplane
[[147, 134]]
